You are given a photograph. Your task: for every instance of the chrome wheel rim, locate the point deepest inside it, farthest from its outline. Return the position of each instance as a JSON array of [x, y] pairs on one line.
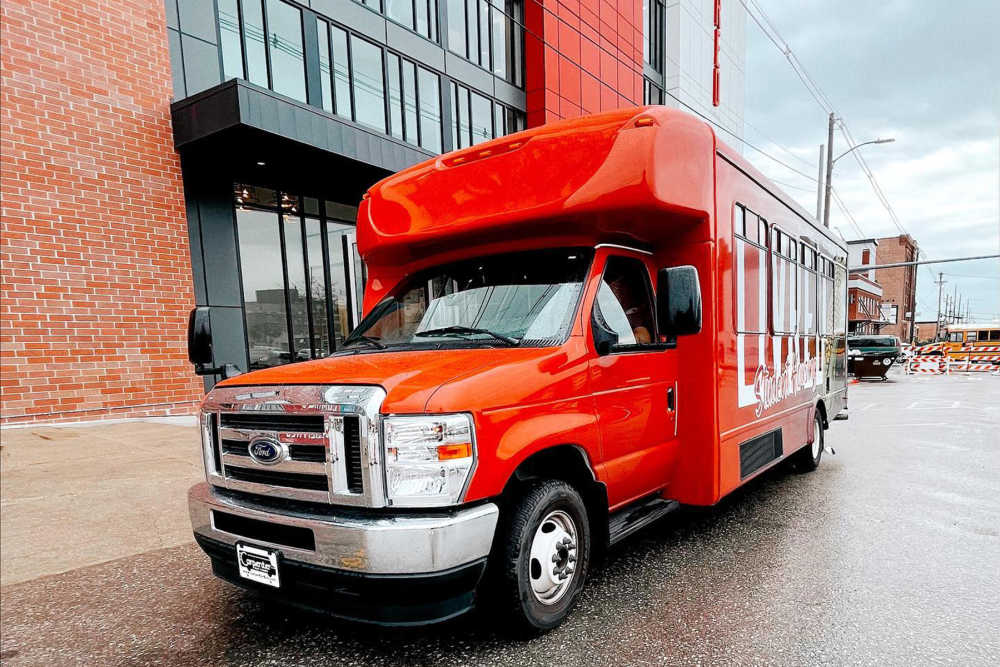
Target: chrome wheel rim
[[553, 559], [817, 439]]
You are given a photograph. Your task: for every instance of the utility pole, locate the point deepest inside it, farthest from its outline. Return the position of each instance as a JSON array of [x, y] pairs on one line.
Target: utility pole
[[819, 186], [937, 329], [829, 172]]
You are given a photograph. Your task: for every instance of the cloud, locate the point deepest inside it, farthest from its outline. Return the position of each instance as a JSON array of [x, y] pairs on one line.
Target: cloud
[[925, 73]]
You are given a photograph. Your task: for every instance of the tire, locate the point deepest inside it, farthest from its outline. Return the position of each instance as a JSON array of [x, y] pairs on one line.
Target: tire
[[807, 459], [535, 530]]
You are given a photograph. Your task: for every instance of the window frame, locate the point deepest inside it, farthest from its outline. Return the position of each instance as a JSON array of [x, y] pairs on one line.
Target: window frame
[[618, 348], [296, 211], [763, 226]]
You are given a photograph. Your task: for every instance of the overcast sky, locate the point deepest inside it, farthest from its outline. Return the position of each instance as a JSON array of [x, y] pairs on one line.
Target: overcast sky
[[922, 71]]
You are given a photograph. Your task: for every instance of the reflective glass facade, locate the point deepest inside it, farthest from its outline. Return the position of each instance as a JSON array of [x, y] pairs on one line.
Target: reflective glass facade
[[363, 81], [300, 273]]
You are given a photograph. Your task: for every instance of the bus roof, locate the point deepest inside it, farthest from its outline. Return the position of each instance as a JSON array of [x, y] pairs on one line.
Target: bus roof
[[972, 327], [587, 180]]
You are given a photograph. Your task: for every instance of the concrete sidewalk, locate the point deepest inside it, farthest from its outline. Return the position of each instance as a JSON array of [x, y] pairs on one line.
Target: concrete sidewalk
[[81, 495]]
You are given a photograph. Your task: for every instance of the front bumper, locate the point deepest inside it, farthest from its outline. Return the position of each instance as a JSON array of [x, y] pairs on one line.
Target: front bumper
[[394, 569]]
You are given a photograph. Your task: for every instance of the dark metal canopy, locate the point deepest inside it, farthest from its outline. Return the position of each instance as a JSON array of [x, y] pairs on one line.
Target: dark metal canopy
[[256, 135]]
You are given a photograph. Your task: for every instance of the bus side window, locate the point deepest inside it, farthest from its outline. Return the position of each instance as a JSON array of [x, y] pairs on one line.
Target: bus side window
[[995, 334], [984, 335], [970, 337], [955, 337]]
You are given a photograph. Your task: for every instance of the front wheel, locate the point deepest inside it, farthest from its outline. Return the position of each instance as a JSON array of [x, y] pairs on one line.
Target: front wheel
[[807, 459], [545, 554]]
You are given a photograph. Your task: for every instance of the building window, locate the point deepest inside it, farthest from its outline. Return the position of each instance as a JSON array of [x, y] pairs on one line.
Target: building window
[[653, 29], [652, 93], [277, 62], [490, 33], [301, 274], [477, 118], [359, 92], [419, 16]]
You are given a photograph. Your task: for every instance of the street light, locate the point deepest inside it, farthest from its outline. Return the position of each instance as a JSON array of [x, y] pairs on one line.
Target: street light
[[831, 160]]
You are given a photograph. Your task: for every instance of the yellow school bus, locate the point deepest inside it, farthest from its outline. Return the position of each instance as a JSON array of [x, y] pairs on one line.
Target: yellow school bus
[[978, 343]]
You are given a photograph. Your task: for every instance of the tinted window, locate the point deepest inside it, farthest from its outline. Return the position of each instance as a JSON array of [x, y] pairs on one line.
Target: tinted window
[[284, 38], [253, 40], [624, 302], [369, 91], [341, 73], [482, 119], [229, 31], [430, 110], [263, 288], [324, 65]]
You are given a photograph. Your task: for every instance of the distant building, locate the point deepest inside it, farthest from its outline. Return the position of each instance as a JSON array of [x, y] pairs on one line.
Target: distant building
[[926, 330], [899, 285], [864, 294]]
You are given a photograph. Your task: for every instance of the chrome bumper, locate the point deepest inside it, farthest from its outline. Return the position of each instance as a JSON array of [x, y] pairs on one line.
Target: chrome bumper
[[404, 544]]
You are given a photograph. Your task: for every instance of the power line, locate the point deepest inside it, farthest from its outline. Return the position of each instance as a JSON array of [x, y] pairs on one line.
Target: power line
[[843, 207]]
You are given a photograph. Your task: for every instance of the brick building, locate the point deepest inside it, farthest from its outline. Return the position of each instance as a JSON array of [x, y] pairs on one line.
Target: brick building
[[158, 155], [926, 331], [899, 285], [864, 293]]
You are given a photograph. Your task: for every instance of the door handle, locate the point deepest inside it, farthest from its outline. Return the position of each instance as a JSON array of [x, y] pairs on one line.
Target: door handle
[[671, 399]]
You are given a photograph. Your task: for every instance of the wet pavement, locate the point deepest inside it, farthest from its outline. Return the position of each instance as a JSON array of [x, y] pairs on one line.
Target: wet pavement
[[888, 554]]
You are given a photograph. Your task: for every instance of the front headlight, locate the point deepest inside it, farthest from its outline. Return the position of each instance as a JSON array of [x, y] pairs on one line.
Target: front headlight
[[428, 459]]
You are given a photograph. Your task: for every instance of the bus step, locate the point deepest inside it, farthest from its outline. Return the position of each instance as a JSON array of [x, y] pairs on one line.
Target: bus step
[[626, 521]]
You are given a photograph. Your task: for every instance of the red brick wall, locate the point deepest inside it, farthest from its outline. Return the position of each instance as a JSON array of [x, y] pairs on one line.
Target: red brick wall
[[581, 57], [899, 285], [95, 266]]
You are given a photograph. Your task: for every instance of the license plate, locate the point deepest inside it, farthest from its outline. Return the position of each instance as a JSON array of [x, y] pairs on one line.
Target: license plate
[[258, 564]]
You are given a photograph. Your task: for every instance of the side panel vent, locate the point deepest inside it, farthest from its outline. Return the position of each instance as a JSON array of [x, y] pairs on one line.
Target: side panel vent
[[758, 452], [352, 454]]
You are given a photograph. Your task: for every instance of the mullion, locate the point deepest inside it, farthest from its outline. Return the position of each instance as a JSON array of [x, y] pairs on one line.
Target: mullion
[[350, 73], [242, 38], [416, 101], [346, 250], [308, 279], [267, 43], [331, 340], [284, 274]]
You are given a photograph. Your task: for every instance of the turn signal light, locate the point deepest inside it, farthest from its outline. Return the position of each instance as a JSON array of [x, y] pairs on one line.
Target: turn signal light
[[454, 451]]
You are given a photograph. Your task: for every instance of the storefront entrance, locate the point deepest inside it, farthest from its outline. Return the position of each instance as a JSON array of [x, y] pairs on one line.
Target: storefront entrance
[[301, 276]]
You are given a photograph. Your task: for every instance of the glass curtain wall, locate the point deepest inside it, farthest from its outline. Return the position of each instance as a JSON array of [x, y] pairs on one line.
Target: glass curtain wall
[[477, 118], [301, 275], [262, 42], [360, 92], [490, 33]]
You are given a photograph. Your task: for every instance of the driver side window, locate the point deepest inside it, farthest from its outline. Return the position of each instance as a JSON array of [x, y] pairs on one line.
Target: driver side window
[[624, 304]]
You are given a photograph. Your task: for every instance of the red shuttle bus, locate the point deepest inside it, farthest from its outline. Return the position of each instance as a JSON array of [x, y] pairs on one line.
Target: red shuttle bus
[[569, 332]]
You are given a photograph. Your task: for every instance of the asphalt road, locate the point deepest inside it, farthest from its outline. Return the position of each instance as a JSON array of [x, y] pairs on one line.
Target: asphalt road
[[888, 554]]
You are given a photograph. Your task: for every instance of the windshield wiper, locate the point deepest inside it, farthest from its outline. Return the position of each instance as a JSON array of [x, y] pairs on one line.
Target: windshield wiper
[[460, 330], [361, 338]]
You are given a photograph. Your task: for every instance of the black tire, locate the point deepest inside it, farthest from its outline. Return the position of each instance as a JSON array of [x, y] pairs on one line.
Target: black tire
[[513, 570], [805, 460]]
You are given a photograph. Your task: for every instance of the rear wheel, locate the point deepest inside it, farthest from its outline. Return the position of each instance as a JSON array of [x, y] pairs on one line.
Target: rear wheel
[[807, 459], [545, 554]]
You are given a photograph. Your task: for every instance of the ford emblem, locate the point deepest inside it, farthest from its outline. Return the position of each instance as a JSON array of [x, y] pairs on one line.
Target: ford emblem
[[267, 451]]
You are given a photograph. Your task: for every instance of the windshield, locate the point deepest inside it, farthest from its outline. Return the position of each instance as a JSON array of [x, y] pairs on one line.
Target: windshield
[[873, 341], [525, 299]]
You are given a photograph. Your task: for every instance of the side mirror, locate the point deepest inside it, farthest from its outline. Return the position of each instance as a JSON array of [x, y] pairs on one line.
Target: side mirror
[[200, 351], [200, 338], [678, 301]]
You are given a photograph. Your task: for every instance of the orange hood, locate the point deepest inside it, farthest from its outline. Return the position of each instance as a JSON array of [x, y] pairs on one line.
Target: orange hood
[[409, 378]]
